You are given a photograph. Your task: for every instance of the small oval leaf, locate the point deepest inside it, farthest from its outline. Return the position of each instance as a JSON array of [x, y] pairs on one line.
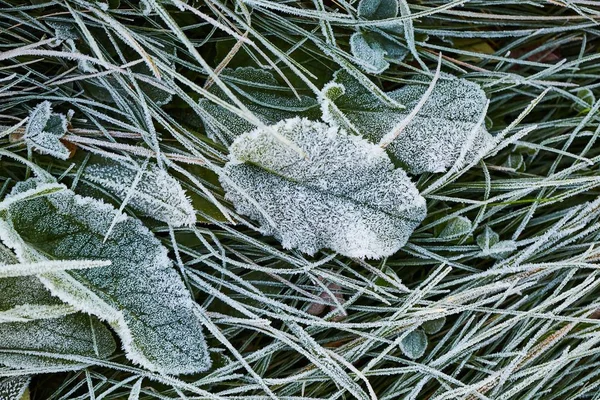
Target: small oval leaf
[[414, 344]]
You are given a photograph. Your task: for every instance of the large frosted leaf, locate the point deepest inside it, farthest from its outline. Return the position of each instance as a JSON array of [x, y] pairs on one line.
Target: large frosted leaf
[[44, 130], [140, 295], [435, 137], [157, 194], [51, 332], [12, 388], [262, 94], [342, 193]]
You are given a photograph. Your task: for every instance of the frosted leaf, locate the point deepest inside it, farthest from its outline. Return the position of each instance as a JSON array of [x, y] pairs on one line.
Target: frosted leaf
[[13, 387], [378, 9], [63, 31], [492, 246], [369, 53], [434, 325], [44, 324], [140, 295], [456, 228], [262, 94], [344, 195], [157, 194], [434, 139], [414, 344], [44, 130], [72, 335]]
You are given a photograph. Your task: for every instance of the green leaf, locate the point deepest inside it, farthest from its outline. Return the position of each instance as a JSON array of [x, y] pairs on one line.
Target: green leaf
[[414, 344], [456, 228], [435, 137], [338, 192], [492, 246], [369, 53], [140, 295], [157, 194], [44, 130], [72, 335], [13, 388], [377, 9], [262, 94], [434, 325], [49, 330]]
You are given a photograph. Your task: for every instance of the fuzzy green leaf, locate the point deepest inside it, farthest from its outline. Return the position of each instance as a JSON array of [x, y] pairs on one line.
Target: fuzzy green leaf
[[341, 193], [414, 344], [140, 295]]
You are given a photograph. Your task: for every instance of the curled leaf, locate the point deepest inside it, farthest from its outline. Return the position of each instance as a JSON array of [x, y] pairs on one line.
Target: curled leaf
[[339, 192]]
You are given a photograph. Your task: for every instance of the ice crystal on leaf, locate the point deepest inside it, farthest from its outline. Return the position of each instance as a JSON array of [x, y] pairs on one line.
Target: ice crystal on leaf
[[32, 320], [12, 388], [414, 344], [434, 139], [262, 94], [156, 193], [140, 294], [44, 130], [342, 193], [371, 47]]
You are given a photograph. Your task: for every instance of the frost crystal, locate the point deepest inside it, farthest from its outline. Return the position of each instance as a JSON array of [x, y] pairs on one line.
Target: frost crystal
[[25, 298], [434, 139], [44, 130], [342, 193], [12, 388], [157, 194], [140, 295], [260, 92]]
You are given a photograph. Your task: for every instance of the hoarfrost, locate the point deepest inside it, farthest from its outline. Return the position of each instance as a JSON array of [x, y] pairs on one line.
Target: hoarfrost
[[435, 137], [31, 319], [344, 194], [140, 295], [157, 194], [44, 130], [491, 246], [12, 388], [414, 344]]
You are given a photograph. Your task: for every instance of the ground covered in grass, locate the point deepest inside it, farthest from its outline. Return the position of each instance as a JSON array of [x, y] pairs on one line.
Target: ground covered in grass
[[413, 215]]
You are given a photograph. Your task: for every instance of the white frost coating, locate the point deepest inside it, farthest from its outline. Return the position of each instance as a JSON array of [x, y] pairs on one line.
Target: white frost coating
[[157, 194], [74, 334], [433, 140], [44, 130], [140, 294], [31, 319], [369, 53], [456, 228], [345, 195], [377, 9], [42, 267], [12, 388], [414, 344]]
